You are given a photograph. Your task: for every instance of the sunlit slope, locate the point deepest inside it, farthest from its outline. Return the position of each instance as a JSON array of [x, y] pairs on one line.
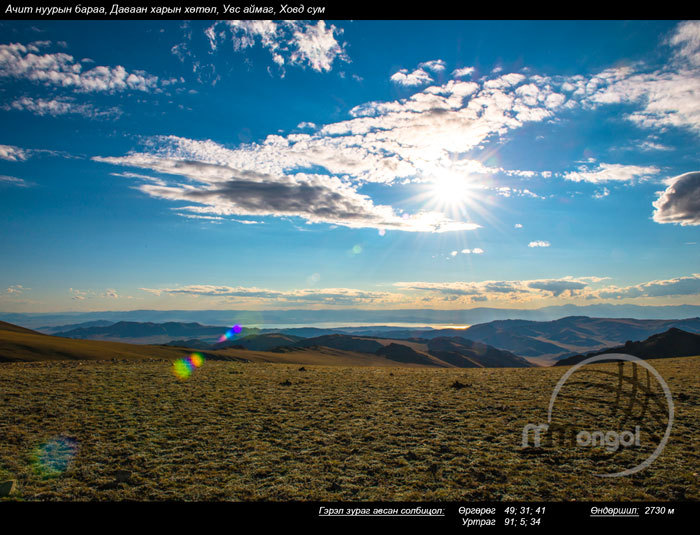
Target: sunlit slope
[[4, 326], [28, 346], [19, 344]]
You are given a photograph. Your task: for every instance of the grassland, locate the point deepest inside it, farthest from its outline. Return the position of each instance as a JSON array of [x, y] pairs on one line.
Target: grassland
[[258, 431]]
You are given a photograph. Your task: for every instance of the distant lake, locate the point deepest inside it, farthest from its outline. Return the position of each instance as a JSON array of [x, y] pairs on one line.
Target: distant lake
[[336, 325]]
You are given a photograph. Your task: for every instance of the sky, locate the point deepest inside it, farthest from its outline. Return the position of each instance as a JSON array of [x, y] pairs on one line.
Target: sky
[[254, 165]]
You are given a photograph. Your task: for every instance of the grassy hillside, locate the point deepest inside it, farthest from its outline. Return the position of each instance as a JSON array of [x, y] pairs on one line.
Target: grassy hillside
[[30, 346], [19, 344], [25, 345], [249, 431]]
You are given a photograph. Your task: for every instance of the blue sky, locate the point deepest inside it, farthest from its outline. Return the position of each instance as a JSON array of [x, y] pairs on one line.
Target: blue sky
[[348, 164]]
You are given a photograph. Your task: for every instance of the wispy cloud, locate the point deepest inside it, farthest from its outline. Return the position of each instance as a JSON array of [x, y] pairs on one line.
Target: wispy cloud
[[689, 285], [539, 243], [16, 289], [61, 106], [13, 154], [290, 42], [325, 296], [13, 181], [500, 290], [62, 70], [610, 172], [463, 72]]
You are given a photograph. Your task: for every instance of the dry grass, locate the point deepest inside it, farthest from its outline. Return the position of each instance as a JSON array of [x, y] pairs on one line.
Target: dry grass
[[238, 431]]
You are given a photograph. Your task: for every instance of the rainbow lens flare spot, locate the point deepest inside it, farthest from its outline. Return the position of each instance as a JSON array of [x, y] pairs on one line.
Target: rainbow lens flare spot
[[197, 359], [183, 368], [53, 457], [233, 331]]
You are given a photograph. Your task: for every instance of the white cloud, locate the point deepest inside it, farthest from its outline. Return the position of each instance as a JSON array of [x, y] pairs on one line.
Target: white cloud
[[557, 287], [325, 296], [650, 145], [680, 202], [61, 70], [609, 172], [317, 47], [509, 290], [82, 295], [436, 293], [289, 42], [601, 193], [13, 181], [686, 39], [13, 154], [539, 243], [518, 225], [463, 72], [60, 106], [436, 65], [411, 78], [659, 288], [16, 289]]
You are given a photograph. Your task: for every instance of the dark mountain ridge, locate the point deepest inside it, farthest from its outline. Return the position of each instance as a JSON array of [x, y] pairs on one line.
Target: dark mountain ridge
[[672, 343]]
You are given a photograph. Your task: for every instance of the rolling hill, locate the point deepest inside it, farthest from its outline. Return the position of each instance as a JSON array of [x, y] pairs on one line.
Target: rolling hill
[[669, 344], [147, 333], [442, 351], [20, 344], [547, 340]]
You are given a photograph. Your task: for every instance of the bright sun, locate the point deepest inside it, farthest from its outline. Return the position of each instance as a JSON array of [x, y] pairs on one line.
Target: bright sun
[[450, 190]]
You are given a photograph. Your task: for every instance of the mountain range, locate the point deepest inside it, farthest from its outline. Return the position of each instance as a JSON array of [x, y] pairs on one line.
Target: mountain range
[[22, 344], [669, 344], [356, 316], [542, 342]]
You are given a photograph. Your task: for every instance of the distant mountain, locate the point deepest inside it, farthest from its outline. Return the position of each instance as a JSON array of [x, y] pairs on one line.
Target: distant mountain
[[303, 332], [343, 341], [444, 351], [18, 344], [402, 353], [354, 316], [669, 344], [260, 342], [540, 341], [62, 328], [574, 334], [148, 333], [193, 343], [467, 353]]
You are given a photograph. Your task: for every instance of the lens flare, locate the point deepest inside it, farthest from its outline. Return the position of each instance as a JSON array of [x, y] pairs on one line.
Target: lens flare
[[183, 368], [197, 359], [53, 457], [232, 332]]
